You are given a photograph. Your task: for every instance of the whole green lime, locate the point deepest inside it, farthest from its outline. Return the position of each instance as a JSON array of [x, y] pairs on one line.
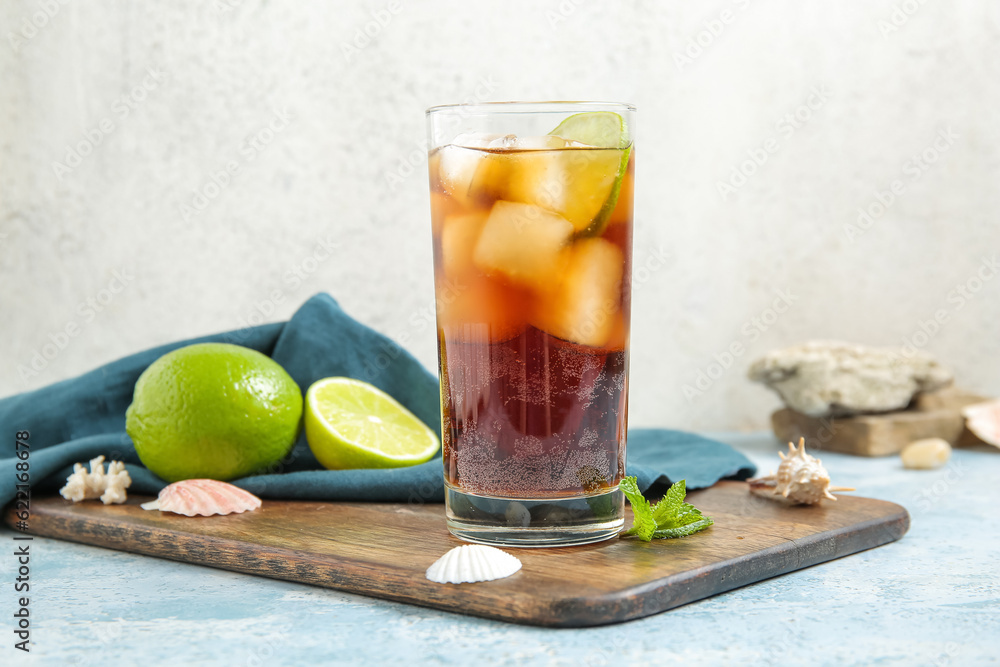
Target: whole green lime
[[213, 411]]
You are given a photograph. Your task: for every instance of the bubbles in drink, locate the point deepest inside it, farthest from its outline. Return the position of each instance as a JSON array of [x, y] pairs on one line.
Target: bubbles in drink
[[533, 468]]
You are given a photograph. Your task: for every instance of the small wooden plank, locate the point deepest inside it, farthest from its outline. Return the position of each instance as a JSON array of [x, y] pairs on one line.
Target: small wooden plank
[[866, 435], [933, 415], [382, 550]]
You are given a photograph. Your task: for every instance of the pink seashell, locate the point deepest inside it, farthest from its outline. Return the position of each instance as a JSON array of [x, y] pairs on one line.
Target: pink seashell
[[983, 419], [204, 497]]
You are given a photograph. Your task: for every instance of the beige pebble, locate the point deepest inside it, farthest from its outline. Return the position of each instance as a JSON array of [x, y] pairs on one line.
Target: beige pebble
[[926, 454]]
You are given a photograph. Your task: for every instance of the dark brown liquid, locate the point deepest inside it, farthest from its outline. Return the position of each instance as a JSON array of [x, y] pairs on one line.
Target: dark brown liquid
[[533, 416]]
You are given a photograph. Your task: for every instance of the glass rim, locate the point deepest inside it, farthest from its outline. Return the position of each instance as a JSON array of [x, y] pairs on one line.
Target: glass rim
[[524, 106]]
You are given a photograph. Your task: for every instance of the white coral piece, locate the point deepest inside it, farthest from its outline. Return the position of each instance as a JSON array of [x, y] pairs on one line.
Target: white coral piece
[[801, 478], [110, 487], [472, 563]]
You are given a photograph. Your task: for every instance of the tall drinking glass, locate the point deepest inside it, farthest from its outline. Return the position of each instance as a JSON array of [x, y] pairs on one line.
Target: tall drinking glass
[[531, 207]]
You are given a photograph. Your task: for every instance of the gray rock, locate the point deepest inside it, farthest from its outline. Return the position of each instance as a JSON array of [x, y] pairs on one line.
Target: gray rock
[[830, 378]]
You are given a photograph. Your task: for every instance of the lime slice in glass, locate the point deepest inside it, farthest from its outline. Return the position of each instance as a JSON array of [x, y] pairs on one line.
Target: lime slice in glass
[[591, 179], [601, 129], [351, 424]]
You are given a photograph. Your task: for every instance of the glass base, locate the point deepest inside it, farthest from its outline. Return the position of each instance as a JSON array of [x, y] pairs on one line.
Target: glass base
[[537, 522]]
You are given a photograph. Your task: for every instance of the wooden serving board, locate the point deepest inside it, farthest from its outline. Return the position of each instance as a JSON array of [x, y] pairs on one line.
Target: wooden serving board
[[382, 550]]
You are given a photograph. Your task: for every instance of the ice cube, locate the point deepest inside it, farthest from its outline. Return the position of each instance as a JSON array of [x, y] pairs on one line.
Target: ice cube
[[477, 309], [474, 140], [456, 169], [504, 142], [576, 184], [441, 207], [468, 171], [545, 142], [524, 243], [584, 307], [458, 240]]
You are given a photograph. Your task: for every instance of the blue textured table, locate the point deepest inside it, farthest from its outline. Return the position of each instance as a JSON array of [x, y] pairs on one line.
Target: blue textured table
[[931, 598]]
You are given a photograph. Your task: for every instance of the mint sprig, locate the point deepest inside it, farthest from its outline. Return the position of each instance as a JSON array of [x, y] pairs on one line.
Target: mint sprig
[[644, 523], [671, 517]]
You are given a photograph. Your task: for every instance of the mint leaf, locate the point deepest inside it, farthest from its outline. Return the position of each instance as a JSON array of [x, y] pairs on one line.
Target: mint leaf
[[671, 503], [687, 514], [671, 517], [643, 524], [683, 531]]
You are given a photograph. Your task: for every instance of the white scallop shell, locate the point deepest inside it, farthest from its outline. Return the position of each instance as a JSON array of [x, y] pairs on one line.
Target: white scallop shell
[[983, 419], [471, 563], [204, 497]]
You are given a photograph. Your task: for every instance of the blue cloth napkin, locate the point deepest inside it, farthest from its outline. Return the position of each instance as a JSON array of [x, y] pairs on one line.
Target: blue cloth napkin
[[84, 417]]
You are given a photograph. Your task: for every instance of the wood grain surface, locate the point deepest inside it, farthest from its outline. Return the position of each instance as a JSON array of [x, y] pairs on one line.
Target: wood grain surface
[[382, 550]]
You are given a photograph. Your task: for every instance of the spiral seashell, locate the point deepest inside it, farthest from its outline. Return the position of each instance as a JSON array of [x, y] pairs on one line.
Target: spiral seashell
[[203, 497], [800, 478], [471, 563]]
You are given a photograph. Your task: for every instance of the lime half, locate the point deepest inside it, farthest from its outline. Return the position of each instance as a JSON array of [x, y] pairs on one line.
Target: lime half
[[351, 424], [602, 180]]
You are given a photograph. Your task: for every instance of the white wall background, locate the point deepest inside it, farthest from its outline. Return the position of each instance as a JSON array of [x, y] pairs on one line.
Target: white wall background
[[229, 66]]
